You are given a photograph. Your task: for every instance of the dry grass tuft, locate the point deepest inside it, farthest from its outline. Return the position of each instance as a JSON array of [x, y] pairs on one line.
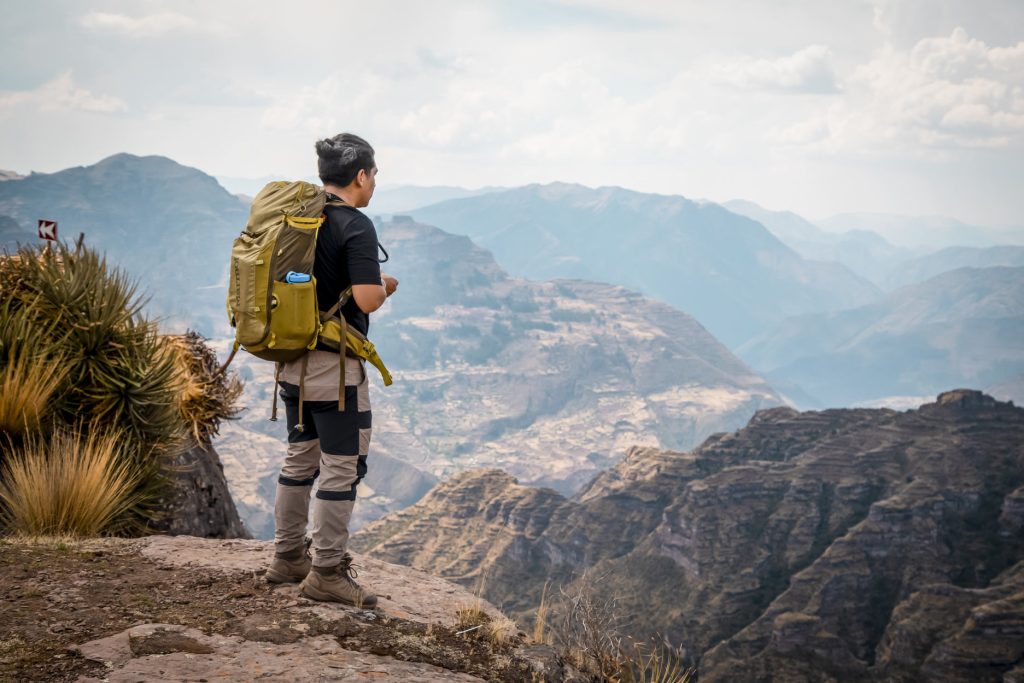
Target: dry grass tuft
[[657, 663], [501, 631], [28, 381], [471, 614], [67, 485], [472, 619], [540, 621]]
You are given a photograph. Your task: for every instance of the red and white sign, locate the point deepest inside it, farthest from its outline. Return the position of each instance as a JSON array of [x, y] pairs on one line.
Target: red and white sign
[[47, 230]]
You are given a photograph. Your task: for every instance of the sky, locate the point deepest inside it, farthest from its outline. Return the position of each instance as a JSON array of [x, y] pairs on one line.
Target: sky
[[896, 106]]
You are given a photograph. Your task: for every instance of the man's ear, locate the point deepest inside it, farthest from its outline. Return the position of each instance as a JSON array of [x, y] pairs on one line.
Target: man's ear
[[361, 177]]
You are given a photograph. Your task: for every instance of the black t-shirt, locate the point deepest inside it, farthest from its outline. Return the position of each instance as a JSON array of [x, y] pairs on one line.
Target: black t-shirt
[[346, 254]]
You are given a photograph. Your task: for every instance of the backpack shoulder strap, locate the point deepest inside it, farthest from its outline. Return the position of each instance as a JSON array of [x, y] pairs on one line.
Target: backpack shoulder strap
[[342, 300]]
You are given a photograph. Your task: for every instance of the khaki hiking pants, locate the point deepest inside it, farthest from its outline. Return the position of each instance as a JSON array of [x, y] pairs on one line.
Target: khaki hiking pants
[[331, 445]]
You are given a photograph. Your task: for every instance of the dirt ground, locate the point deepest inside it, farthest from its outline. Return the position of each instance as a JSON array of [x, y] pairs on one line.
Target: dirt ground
[[56, 595]]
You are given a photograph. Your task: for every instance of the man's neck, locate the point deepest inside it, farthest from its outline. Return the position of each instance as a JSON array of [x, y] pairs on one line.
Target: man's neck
[[345, 194]]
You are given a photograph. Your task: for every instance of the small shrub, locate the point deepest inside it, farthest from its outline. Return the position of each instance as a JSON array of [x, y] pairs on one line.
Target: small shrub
[[501, 631], [110, 368], [470, 615], [586, 626], [67, 485]]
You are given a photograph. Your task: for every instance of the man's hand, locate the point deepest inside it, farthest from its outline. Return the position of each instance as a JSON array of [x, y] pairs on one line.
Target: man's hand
[[390, 283]]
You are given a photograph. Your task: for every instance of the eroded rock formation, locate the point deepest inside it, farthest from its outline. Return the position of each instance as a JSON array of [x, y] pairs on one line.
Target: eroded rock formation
[[845, 544]]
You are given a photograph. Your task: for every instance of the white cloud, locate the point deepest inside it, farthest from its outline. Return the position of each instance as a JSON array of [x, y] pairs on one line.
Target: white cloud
[[801, 101], [807, 70], [140, 27], [943, 93], [61, 94]]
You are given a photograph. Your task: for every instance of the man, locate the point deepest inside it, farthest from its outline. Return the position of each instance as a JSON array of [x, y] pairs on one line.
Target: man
[[324, 441]]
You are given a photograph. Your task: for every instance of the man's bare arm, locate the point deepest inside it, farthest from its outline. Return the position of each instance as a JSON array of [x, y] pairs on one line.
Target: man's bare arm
[[371, 297]]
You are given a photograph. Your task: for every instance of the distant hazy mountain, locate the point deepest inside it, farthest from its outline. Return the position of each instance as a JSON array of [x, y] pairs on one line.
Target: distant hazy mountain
[[169, 225], [864, 252], [728, 271], [11, 232], [552, 381], [387, 199], [923, 267], [403, 198], [960, 328], [9, 175], [787, 226], [251, 186], [932, 232]]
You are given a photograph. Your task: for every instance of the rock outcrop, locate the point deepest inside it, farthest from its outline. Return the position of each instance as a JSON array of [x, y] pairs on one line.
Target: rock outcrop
[[199, 502], [845, 544]]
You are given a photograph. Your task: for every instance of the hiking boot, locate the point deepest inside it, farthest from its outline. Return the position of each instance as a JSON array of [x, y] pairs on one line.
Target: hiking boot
[[336, 584], [292, 566]]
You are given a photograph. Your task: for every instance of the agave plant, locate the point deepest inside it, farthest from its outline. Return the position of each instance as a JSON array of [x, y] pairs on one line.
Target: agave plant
[[117, 376]]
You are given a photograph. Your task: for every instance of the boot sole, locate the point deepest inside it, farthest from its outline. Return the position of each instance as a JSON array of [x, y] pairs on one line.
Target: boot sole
[[313, 594]]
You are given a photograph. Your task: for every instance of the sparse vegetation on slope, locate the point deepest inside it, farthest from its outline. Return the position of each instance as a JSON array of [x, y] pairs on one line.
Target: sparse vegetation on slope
[[584, 622]]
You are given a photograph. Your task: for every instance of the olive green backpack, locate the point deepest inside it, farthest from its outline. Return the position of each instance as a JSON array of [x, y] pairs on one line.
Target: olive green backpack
[[277, 320]]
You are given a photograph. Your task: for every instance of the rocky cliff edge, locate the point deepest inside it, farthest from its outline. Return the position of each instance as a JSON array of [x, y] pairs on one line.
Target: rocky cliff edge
[[175, 608]]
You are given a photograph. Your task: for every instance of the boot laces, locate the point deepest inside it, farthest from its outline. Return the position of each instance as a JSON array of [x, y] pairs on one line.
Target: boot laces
[[348, 568]]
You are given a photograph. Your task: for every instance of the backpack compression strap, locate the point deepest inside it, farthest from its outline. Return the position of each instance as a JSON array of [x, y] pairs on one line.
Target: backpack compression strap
[[336, 308]]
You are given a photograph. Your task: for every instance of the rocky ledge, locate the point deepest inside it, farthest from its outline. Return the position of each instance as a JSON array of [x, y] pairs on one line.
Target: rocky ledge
[[185, 608]]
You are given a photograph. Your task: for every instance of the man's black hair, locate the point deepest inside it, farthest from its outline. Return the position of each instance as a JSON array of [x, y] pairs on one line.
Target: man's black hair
[[342, 157]]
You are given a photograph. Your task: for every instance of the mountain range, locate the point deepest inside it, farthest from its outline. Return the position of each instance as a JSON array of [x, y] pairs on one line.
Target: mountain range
[[581, 365], [864, 252], [931, 232], [838, 545], [929, 265], [961, 327], [728, 271], [650, 373]]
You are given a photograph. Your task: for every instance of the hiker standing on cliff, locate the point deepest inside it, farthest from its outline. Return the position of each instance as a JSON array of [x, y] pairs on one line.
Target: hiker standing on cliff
[[325, 441]]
